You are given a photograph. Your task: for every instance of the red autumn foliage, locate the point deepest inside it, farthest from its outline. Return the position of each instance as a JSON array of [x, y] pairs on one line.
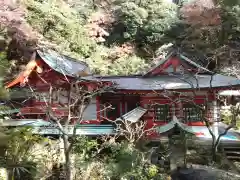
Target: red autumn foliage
[[12, 16], [201, 12], [124, 49], [97, 24], [21, 40]]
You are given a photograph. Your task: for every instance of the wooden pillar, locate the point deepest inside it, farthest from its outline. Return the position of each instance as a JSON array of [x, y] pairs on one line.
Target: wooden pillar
[[98, 107], [215, 118]]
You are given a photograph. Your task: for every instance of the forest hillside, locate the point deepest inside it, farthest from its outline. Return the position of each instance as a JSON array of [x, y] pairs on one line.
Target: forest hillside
[[119, 36]]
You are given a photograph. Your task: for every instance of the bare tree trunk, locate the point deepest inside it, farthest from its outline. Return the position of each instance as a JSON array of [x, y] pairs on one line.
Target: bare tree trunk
[[214, 149], [68, 164]]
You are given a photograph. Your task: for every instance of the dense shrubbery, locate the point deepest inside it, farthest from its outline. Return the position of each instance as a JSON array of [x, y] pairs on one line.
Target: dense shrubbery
[[67, 29], [32, 157], [227, 115]]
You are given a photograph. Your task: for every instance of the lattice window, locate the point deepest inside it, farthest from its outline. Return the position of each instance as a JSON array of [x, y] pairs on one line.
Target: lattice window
[[161, 112], [192, 113]]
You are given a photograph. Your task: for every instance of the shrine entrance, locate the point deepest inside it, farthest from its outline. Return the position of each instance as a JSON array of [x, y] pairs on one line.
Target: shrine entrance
[[114, 106]]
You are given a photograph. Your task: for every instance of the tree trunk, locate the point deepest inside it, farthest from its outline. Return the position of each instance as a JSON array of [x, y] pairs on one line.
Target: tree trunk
[[214, 154], [214, 150], [68, 168], [68, 164]]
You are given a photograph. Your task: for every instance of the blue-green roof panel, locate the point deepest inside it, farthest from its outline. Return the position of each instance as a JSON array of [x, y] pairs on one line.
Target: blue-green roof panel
[[172, 124], [8, 112], [134, 115]]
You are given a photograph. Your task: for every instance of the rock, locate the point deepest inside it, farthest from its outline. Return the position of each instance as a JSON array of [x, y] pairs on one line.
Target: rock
[[191, 174]]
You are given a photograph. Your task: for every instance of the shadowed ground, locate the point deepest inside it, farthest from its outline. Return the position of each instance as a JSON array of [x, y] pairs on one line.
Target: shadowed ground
[[202, 173], [192, 174]]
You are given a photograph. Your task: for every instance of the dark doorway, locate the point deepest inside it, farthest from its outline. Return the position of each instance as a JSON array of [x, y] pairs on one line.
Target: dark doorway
[[131, 102]]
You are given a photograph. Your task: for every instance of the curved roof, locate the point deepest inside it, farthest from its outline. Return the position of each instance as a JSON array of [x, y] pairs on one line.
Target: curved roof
[[174, 123], [64, 64]]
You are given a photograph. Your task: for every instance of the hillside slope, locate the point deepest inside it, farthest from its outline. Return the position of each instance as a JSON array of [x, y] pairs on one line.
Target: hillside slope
[[119, 36]]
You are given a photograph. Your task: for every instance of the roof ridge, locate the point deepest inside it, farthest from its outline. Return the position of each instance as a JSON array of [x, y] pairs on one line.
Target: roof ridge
[[61, 54], [64, 64], [194, 63], [181, 57], [161, 61]]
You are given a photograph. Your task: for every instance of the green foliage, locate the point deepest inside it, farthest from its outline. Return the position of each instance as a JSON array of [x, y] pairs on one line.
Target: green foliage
[[230, 3], [126, 162], [112, 160], [102, 63], [127, 65], [85, 148], [65, 26], [227, 117], [84, 8], [217, 42], [20, 158], [143, 22], [60, 24], [4, 65]]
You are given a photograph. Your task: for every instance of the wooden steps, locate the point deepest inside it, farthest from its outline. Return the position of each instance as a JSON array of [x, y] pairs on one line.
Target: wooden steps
[[232, 152]]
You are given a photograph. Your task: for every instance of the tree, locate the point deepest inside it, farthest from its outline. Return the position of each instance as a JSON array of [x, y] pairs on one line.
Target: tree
[[78, 99], [143, 23], [216, 140], [21, 155], [210, 31]]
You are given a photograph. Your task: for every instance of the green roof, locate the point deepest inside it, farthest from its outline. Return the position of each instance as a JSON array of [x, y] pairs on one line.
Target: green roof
[[172, 124], [10, 111], [25, 122], [83, 129], [41, 126], [133, 115]]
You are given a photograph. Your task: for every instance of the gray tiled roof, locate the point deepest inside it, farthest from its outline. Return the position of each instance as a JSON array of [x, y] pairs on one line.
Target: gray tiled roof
[[63, 64], [172, 81]]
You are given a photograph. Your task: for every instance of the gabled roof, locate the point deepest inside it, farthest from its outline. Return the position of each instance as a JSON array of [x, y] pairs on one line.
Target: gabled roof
[[60, 63], [64, 64], [174, 123], [182, 61]]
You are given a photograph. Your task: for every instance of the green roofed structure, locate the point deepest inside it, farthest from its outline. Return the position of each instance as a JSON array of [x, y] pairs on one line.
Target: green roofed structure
[[174, 124]]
